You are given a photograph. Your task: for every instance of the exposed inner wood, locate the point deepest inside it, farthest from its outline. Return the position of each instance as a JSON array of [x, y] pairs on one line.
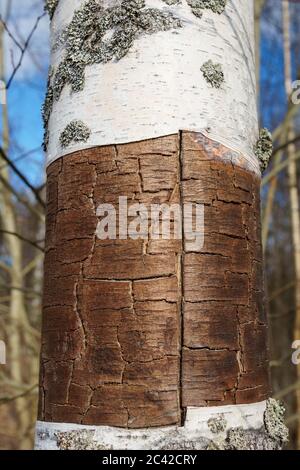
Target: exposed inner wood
[[135, 331]]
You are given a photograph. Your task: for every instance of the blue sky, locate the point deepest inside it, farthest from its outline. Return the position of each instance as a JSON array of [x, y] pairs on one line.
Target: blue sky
[[26, 94]]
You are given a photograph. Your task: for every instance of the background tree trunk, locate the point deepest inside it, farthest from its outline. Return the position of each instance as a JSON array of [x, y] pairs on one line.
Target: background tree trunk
[[164, 341], [293, 185], [17, 311]]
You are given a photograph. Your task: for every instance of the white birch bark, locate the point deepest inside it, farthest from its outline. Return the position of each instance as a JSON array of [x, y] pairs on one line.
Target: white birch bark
[[158, 88], [236, 427]]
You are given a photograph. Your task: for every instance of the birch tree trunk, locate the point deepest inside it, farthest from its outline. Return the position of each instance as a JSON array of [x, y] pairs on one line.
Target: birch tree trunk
[[152, 343]]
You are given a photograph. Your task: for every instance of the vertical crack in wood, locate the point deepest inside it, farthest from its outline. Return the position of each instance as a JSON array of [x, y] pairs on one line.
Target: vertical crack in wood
[[181, 278]]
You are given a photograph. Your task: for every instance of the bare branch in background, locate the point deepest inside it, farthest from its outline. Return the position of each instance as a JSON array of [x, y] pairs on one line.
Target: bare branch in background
[[20, 395], [24, 239], [21, 199], [22, 48], [22, 177], [286, 144], [23, 155]]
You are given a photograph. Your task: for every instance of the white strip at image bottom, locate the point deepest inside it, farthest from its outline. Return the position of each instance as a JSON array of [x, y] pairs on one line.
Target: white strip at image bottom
[[240, 427]]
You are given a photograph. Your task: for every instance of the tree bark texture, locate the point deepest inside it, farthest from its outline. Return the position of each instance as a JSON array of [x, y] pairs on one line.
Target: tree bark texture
[[135, 331]]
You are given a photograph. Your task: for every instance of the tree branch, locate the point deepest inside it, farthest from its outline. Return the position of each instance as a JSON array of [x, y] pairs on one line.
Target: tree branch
[[23, 239], [22, 177], [20, 395], [22, 48]]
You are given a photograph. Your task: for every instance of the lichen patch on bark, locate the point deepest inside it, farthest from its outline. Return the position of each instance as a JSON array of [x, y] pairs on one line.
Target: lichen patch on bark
[[217, 424], [274, 421], [99, 35], [75, 131], [172, 2], [264, 148], [78, 440], [213, 73], [272, 436], [198, 6], [252, 439], [47, 108]]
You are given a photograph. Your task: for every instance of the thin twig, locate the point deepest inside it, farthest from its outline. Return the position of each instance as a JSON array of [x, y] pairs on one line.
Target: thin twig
[[286, 391], [22, 177], [277, 169], [22, 48], [23, 201], [26, 240], [286, 144], [5, 267], [281, 290], [23, 289], [20, 395], [20, 157], [10, 34]]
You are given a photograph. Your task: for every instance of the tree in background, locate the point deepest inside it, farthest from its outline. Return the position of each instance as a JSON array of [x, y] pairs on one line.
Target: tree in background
[[278, 233], [21, 222], [293, 183]]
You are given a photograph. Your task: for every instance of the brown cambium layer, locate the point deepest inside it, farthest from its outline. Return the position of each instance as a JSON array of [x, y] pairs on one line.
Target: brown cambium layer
[[136, 331]]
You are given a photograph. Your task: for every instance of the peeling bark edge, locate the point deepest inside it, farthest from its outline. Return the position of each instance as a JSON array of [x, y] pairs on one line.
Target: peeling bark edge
[[243, 427]]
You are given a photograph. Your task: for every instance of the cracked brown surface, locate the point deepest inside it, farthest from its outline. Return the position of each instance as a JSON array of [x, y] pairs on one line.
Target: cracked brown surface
[[134, 331]]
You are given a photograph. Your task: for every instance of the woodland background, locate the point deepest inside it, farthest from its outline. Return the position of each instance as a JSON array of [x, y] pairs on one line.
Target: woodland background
[[24, 58]]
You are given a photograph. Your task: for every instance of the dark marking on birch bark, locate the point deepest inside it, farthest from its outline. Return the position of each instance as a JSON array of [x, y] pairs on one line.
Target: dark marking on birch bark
[[113, 349]]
